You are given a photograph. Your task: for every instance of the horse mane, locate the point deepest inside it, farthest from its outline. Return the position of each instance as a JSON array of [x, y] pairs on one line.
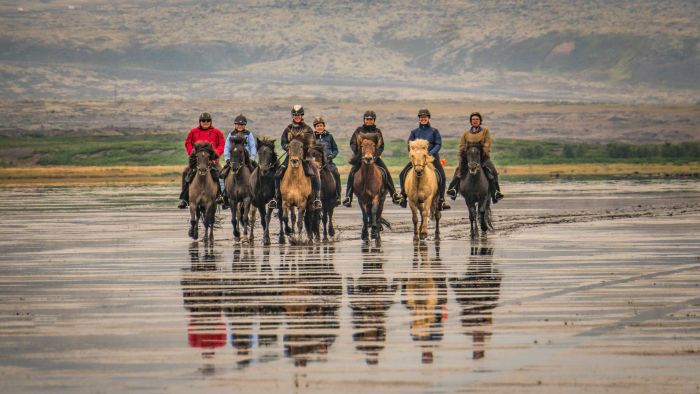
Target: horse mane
[[269, 142], [206, 146], [418, 144], [237, 138], [320, 148]]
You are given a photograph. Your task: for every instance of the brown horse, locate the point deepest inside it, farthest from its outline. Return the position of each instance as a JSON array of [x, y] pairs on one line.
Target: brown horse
[[203, 190], [369, 188], [474, 187], [422, 189], [295, 188], [328, 197]]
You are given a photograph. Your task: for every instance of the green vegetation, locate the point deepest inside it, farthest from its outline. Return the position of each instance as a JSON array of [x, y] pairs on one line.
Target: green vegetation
[[169, 150]]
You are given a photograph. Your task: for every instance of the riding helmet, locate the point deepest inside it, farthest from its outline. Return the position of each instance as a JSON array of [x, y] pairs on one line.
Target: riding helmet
[[370, 114], [205, 116], [297, 110], [475, 114], [240, 119], [423, 112], [318, 119]]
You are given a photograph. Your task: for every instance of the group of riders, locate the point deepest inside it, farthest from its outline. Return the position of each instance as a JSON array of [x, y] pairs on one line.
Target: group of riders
[[299, 130]]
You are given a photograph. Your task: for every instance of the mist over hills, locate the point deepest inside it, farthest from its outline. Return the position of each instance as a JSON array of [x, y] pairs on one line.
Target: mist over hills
[[610, 51]]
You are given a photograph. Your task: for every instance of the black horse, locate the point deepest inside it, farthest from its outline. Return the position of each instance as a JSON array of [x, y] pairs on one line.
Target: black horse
[[474, 187], [329, 197], [262, 185], [238, 189]]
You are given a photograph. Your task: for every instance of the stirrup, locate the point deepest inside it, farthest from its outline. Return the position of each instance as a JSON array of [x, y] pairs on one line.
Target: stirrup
[[317, 204], [183, 204], [396, 198], [444, 206], [403, 202], [337, 202], [347, 202], [452, 193], [272, 204]]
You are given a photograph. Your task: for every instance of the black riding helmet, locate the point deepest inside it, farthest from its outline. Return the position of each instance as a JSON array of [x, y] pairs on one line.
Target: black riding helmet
[[423, 112], [240, 119], [318, 120], [298, 110], [205, 116], [370, 114]]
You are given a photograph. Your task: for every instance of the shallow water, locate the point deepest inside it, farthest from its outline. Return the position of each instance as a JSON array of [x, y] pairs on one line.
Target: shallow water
[[111, 296]]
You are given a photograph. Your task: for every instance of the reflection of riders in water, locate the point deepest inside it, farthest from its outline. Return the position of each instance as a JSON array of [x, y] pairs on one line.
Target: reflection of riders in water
[[371, 295], [201, 293], [311, 290], [477, 292], [424, 292]]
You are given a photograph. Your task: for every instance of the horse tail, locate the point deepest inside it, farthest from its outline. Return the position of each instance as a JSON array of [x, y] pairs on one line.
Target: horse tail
[[386, 223]]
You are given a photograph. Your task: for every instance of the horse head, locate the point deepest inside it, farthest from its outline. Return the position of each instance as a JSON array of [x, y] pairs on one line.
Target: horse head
[[237, 157], [420, 158], [473, 153], [369, 150], [317, 156], [205, 156], [267, 158], [296, 153]]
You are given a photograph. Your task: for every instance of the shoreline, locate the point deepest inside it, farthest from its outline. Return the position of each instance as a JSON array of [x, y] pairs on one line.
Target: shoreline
[[165, 175]]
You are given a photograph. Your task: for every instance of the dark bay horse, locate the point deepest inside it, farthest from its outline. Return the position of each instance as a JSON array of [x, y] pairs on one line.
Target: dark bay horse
[[237, 185], [369, 188], [295, 188], [203, 191], [262, 185], [474, 187], [329, 197]]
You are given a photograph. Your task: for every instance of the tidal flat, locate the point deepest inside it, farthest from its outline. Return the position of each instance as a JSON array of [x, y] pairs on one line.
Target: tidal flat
[[585, 286]]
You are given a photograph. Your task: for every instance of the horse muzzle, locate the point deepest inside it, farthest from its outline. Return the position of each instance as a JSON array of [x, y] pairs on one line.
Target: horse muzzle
[[368, 159], [419, 171], [295, 162], [202, 171], [473, 169]]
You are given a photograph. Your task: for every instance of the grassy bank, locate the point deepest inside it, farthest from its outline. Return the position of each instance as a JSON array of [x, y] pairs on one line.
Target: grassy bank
[[170, 175]]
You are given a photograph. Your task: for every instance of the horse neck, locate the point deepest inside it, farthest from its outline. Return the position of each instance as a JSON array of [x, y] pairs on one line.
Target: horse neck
[[369, 172]]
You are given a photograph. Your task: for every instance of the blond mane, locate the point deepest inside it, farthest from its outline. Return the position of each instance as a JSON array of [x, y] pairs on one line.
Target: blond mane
[[418, 144]]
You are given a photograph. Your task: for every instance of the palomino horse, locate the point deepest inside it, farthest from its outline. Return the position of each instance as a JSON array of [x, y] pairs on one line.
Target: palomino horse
[[421, 186], [238, 190], [262, 185], [295, 188], [474, 187], [203, 191], [328, 196], [369, 188]]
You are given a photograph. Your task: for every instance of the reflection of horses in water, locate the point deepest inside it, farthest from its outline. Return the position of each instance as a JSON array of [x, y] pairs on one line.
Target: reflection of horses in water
[[202, 192], [477, 291], [369, 188], [262, 185], [421, 187], [425, 295], [295, 188], [238, 189], [328, 197], [311, 292], [371, 295], [201, 294], [474, 187]]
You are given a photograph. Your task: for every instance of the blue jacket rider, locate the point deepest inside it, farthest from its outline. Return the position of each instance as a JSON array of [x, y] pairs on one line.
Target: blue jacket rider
[[426, 132]]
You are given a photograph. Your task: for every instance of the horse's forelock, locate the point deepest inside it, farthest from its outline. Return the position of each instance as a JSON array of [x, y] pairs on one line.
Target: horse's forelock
[[264, 141], [418, 144]]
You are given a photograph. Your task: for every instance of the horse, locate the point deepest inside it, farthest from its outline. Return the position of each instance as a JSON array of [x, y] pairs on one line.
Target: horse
[[421, 186], [368, 187], [238, 190], [262, 185], [328, 197], [203, 191], [295, 188], [474, 187]]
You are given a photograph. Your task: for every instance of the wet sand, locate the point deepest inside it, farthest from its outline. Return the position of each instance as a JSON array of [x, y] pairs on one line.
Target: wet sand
[[585, 287]]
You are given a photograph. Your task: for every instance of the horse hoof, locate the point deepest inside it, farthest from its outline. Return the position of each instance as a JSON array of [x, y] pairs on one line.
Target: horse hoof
[[236, 239], [266, 241]]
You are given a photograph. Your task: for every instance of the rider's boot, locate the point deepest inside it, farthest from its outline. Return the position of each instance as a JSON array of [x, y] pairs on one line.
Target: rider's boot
[[497, 195], [348, 189], [338, 187], [184, 191], [316, 188], [452, 188], [443, 204], [403, 201]]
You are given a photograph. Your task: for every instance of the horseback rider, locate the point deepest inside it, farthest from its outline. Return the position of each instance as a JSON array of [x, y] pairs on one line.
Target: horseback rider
[[368, 127], [324, 137], [239, 133], [478, 134], [298, 130], [432, 135], [205, 132]]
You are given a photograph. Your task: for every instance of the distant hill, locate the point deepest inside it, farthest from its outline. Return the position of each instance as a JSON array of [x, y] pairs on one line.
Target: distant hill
[[636, 51]]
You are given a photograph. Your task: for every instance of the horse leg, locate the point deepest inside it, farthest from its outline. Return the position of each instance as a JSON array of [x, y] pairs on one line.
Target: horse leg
[[483, 219], [282, 213], [324, 219], [474, 231], [301, 213], [437, 214], [265, 217], [234, 221], [414, 212], [209, 221], [374, 221], [331, 228], [245, 222], [192, 233], [365, 220]]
